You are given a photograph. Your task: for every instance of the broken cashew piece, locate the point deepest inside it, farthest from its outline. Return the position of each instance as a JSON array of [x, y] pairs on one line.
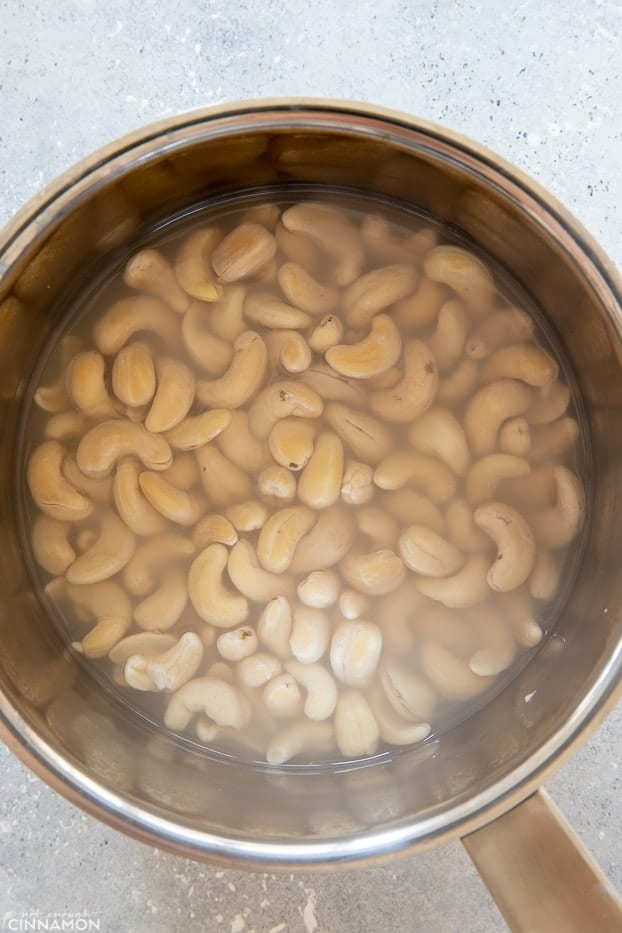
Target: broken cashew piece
[[288, 350], [247, 516], [212, 600], [438, 433], [327, 333], [415, 392], [243, 377], [53, 494], [109, 553], [374, 354], [109, 441], [558, 525], [353, 605], [274, 626], [282, 697], [148, 271], [237, 643], [258, 669], [515, 437], [276, 485], [357, 485], [169, 670], [516, 546], [319, 589]]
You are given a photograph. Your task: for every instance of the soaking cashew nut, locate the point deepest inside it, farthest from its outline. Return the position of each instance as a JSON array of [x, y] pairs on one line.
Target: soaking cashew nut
[[516, 546]]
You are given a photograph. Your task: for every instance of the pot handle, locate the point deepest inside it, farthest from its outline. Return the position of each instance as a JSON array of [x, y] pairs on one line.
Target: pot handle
[[539, 873]]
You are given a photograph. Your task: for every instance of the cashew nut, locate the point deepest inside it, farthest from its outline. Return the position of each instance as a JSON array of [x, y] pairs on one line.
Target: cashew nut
[[282, 697], [395, 729], [305, 292], [377, 290], [439, 434], [427, 474], [319, 589], [489, 408], [320, 481], [109, 553], [258, 669], [310, 634], [535, 490], [326, 334], [146, 644], [558, 525], [376, 353], [465, 274], [247, 516], [251, 579], [143, 570], [148, 271], [288, 350], [420, 309], [183, 472], [133, 375], [353, 605], [379, 526], [321, 689], [218, 700], [451, 628], [291, 442], [269, 311], [130, 316], [108, 441], [173, 398], [224, 482], [168, 670], [243, 377], [485, 475], [214, 529], [552, 441], [194, 431], [516, 546], [274, 626], [98, 490], [139, 516], [327, 542], [212, 600], [265, 214], [210, 352], [458, 385], [447, 340], [355, 651], [329, 230], [237, 643], [428, 553], [309, 737], [417, 389], [517, 605], [332, 386], [550, 404], [65, 425], [51, 545], [525, 362], [279, 537], [86, 385], [462, 530], [464, 589], [109, 605], [385, 244], [296, 247], [507, 326], [277, 485], [410, 696], [243, 252], [54, 495], [411, 508], [177, 505], [356, 728], [357, 486], [280, 400], [452, 677], [497, 640], [366, 436], [192, 264], [515, 437], [164, 607], [240, 446], [374, 573], [545, 576]]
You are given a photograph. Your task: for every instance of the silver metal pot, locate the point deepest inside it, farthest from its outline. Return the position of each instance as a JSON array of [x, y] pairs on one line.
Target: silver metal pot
[[472, 780]]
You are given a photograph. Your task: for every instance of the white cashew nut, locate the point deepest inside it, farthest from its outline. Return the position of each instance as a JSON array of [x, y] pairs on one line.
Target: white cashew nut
[[375, 573], [305, 292], [489, 408], [516, 546], [131, 316], [54, 495], [522, 361], [207, 350], [355, 651], [310, 634], [319, 589], [51, 545], [133, 375], [321, 689], [507, 326], [438, 433], [192, 264], [237, 643], [212, 600], [465, 274], [415, 392], [251, 579], [280, 536], [464, 589], [327, 542], [109, 553], [558, 525], [139, 516], [165, 606], [218, 700], [274, 626], [356, 728], [367, 437], [169, 670], [243, 377], [243, 252], [240, 446], [176, 505], [428, 553], [319, 485], [330, 231], [374, 354], [107, 442], [484, 475], [224, 482], [86, 385], [280, 400], [409, 696], [377, 290], [427, 474]]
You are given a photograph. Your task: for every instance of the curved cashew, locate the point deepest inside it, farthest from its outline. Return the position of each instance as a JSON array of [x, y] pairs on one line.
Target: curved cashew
[[279, 537], [243, 377], [545, 576], [332, 386], [417, 389], [142, 571], [173, 398], [355, 651], [212, 600], [510, 325], [51, 545], [110, 552], [214, 529], [395, 729], [280, 400], [452, 677], [86, 385], [385, 244], [282, 697], [375, 573], [438, 433], [251, 579], [380, 527], [168, 670], [550, 404], [291, 442], [218, 700], [552, 441], [165, 606], [420, 309], [465, 274], [107, 442], [139, 516], [65, 425], [411, 508], [329, 230], [558, 525], [319, 589], [327, 333], [410, 696], [515, 437], [449, 627], [464, 589], [305, 292], [258, 669], [237, 643], [377, 290], [535, 490], [356, 728], [353, 605], [247, 516], [274, 626], [208, 351], [498, 648], [454, 388], [52, 398], [388, 379], [148, 271], [288, 350], [427, 553], [176, 505], [374, 354], [192, 264], [321, 689], [227, 317], [310, 634], [327, 542], [357, 485], [196, 430], [269, 311], [433, 477], [517, 605], [224, 482], [98, 490], [146, 644], [489, 408], [243, 252], [304, 736], [54, 495], [240, 446], [85, 538], [366, 436], [296, 247], [516, 546], [525, 362], [485, 475], [109, 604], [130, 316], [462, 530], [320, 481], [265, 214], [277, 485], [133, 375], [447, 340]]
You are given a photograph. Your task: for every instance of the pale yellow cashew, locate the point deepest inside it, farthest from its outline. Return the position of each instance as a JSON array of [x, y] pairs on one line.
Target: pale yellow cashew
[[65, 425], [133, 375], [454, 388], [237, 644], [329, 230], [288, 350], [326, 334], [419, 310], [507, 326], [224, 482], [296, 247], [327, 542], [280, 400], [552, 441], [319, 485], [305, 292], [411, 508], [165, 606], [332, 386], [462, 530], [196, 430], [243, 252], [130, 316], [108, 603], [545, 576], [319, 589], [282, 697], [535, 490], [227, 315], [269, 311], [413, 394], [465, 588], [374, 354], [465, 274], [321, 689], [139, 516], [277, 485], [515, 437], [558, 525], [53, 494], [173, 397], [367, 437], [251, 579], [447, 340], [395, 729], [451, 676], [516, 546], [356, 728], [98, 490], [176, 505], [291, 442], [53, 398], [375, 573], [274, 626], [146, 644], [304, 736], [212, 600], [427, 474], [549, 404], [489, 408], [355, 650], [280, 535], [108, 554], [357, 485], [378, 526], [310, 634], [214, 529], [218, 700], [525, 362], [243, 378], [107, 442], [209, 352], [168, 670], [240, 446], [148, 271], [86, 385], [183, 472], [496, 639], [409, 695], [484, 475], [151, 557], [428, 553], [377, 290], [247, 516], [192, 264], [51, 545], [258, 669], [266, 214], [438, 433]]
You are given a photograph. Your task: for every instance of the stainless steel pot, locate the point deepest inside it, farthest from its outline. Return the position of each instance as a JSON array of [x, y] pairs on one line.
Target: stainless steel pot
[[471, 781]]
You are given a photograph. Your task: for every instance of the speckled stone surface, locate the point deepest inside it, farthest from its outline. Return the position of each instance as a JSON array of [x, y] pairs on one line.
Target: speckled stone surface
[[540, 84]]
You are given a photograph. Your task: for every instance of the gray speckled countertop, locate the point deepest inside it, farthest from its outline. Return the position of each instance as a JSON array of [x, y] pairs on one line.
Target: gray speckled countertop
[[540, 84]]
